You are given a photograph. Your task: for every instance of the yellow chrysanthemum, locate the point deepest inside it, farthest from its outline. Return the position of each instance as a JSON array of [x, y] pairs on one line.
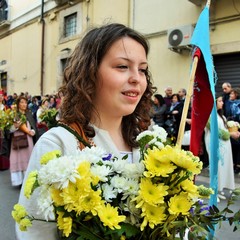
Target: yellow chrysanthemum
[[158, 163], [109, 216], [19, 212], [150, 193], [153, 215], [24, 224], [89, 203], [74, 192], [189, 186], [84, 169], [64, 224], [49, 156], [29, 185], [56, 196], [180, 204], [186, 160]]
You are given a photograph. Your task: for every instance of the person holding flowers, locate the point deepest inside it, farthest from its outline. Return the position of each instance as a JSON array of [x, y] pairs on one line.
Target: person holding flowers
[[23, 125], [107, 93], [225, 163], [99, 175]]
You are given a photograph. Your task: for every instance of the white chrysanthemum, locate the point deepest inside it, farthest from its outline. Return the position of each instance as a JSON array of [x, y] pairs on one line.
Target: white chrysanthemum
[[133, 170], [143, 134], [132, 187], [118, 165], [119, 183], [45, 203], [108, 192], [160, 133], [93, 154], [101, 171], [59, 171]]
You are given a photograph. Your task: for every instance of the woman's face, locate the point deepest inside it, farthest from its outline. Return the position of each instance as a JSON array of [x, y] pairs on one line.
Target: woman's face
[[155, 100], [174, 99], [232, 96], [219, 103], [121, 78], [22, 105]]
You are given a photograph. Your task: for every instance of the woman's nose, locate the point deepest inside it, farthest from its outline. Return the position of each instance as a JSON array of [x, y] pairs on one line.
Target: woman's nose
[[135, 76]]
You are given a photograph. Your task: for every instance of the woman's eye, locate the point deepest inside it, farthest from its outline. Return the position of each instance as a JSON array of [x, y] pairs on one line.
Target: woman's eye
[[122, 67], [143, 70]]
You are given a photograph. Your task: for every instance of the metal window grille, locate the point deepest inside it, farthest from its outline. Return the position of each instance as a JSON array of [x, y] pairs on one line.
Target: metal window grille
[[70, 25]]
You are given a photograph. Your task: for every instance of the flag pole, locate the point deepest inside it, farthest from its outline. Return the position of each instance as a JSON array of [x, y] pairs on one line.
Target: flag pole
[[187, 103]]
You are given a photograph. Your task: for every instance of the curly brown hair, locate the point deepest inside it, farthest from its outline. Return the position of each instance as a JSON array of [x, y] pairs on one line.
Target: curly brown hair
[[80, 78]]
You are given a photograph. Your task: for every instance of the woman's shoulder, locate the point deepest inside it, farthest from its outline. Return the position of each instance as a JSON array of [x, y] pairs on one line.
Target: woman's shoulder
[[57, 137]]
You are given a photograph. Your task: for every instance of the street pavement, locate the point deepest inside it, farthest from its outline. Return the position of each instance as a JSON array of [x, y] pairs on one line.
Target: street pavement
[[9, 197]]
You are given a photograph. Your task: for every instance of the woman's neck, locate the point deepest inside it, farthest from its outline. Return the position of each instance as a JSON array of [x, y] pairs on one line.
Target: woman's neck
[[114, 129]]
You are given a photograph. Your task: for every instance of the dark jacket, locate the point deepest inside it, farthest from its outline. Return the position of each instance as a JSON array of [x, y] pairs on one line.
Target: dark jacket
[[32, 123]]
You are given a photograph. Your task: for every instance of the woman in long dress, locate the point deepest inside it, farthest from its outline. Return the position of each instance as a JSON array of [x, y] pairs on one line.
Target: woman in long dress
[[225, 162], [19, 157]]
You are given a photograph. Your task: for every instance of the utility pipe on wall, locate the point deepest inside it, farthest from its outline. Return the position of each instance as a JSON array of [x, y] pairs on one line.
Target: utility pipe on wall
[[42, 21]]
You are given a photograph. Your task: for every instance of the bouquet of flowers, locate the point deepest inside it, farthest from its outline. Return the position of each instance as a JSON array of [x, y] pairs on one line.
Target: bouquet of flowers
[[8, 117], [6, 120], [49, 117], [94, 195], [233, 126]]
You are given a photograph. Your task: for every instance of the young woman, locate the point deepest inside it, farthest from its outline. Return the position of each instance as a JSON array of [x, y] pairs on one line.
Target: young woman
[[106, 98], [173, 116], [19, 157], [225, 162], [157, 112], [41, 125]]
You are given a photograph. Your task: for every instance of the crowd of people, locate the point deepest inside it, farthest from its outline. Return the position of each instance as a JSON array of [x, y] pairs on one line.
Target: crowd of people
[[17, 142]]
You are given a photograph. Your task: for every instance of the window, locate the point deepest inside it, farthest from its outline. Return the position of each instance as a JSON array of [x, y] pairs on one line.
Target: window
[[70, 25], [3, 79], [3, 10]]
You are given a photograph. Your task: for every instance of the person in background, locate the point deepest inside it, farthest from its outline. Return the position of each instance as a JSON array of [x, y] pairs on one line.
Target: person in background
[[15, 96], [173, 115], [33, 106], [52, 102], [41, 125], [168, 96], [226, 87], [158, 110], [59, 99], [234, 115], [182, 94], [19, 157], [225, 163], [234, 106], [107, 95], [4, 139]]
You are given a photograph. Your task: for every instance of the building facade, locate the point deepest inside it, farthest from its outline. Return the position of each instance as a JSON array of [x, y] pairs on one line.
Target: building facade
[[37, 37]]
